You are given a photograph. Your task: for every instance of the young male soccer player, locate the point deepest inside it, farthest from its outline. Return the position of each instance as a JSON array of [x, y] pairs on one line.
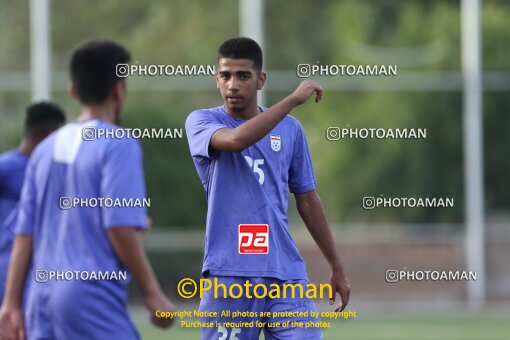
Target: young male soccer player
[[41, 119], [84, 239], [247, 158]]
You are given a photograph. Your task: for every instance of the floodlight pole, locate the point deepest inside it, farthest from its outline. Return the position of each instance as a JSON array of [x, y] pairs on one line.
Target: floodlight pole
[[473, 150], [251, 25], [40, 60]]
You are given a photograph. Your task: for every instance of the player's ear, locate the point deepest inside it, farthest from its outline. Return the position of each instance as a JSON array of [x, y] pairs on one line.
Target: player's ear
[[119, 90], [72, 90], [261, 80], [217, 76]]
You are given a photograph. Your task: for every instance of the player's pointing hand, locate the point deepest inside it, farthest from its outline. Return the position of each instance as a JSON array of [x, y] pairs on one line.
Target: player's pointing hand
[[306, 89]]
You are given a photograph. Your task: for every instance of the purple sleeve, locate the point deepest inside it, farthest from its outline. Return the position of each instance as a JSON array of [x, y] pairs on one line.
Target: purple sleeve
[[2, 181], [200, 126], [123, 178], [27, 203], [301, 174]]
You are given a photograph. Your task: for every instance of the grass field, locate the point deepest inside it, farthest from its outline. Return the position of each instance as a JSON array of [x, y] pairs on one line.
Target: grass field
[[408, 327]]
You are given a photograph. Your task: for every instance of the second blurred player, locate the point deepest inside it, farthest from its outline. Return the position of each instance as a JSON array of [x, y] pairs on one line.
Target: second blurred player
[[83, 239]]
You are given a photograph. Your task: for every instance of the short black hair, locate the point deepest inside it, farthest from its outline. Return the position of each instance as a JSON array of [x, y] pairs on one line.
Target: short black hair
[[242, 48], [43, 118], [93, 69]]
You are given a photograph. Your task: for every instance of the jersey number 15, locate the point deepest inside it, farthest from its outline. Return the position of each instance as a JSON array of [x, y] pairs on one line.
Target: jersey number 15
[[255, 165]]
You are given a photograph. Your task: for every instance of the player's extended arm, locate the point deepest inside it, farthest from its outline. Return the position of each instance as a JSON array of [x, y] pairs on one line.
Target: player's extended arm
[[312, 212], [11, 314], [249, 133], [128, 248]]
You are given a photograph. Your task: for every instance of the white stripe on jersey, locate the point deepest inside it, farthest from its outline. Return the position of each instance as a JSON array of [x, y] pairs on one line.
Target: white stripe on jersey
[[68, 141]]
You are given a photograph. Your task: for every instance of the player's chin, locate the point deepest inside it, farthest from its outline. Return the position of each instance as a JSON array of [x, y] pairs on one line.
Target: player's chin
[[235, 106]]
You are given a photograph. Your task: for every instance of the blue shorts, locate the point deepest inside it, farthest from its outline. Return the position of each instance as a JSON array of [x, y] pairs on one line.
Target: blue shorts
[[79, 310], [257, 306]]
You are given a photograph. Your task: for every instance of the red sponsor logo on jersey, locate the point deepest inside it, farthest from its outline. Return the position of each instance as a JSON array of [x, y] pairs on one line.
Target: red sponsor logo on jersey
[[253, 239]]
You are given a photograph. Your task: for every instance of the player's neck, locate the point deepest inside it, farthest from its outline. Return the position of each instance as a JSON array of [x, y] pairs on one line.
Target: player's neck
[[244, 114], [27, 146], [103, 111]]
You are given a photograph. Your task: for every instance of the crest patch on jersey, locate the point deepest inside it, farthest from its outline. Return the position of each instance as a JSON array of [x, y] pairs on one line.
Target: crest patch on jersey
[[276, 142]]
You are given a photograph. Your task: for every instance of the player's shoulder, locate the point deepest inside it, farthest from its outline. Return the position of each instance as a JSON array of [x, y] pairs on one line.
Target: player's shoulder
[[208, 112], [212, 113], [292, 125], [121, 140], [6, 161], [7, 157], [292, 121], [104, 125], [98, 136], [288, 121]]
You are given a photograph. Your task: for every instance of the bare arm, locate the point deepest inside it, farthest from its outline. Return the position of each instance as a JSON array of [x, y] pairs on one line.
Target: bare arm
[[11, 316], [128, 248], [249, 133], [312, 212]]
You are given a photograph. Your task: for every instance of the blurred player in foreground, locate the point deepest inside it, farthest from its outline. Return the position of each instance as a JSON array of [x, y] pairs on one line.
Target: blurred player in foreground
[[57, 237], [41, 119], [248, 157]]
